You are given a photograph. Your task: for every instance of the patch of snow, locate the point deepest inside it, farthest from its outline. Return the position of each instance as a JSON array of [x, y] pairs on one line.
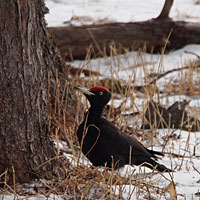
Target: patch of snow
[[117, 10]]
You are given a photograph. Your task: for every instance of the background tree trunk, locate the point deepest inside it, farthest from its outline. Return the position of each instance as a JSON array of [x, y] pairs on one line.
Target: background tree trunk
[[26, 57]]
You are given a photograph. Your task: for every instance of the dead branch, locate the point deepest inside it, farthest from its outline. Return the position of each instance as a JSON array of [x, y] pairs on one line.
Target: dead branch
[[166, 9], [159, 76]]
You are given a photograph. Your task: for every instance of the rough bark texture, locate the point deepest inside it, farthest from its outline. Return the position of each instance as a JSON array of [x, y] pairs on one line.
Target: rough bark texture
[[26, 57]]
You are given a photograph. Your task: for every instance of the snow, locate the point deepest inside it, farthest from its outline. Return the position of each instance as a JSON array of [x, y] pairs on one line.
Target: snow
[[118, 10], [185, 176]]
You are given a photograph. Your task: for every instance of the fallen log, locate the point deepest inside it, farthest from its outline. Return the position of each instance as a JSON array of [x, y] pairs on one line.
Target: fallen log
[[77, 42]]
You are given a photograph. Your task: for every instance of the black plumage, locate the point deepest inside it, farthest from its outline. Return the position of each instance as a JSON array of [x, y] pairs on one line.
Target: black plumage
[[104, 144]]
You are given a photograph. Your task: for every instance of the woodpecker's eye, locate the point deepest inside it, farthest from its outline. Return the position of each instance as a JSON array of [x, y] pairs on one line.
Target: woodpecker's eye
[[100, 93]]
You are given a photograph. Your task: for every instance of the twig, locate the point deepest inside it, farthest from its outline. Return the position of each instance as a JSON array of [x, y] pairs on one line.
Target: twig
[[190, 52], [168, 139], [168, 72], [196, 169]]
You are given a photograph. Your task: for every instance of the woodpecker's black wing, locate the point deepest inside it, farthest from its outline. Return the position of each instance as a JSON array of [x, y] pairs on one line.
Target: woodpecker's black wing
[[104, 144], [125, 145]]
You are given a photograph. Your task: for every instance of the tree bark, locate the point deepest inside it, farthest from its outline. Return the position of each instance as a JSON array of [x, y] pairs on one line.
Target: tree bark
[[27, 55], [151, 35]]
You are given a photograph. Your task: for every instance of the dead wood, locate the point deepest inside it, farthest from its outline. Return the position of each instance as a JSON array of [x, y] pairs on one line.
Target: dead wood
[[166, 9], [176, 117], [152, 36]]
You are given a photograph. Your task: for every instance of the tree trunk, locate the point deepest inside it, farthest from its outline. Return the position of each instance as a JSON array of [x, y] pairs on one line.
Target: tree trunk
[[27, 55]]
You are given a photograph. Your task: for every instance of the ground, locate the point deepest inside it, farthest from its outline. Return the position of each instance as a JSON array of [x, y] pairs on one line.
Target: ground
[[133, 69]]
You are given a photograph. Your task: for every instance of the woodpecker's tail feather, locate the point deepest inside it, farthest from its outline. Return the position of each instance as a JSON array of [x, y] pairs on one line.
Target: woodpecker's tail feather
[[154, 165], [155, 153]]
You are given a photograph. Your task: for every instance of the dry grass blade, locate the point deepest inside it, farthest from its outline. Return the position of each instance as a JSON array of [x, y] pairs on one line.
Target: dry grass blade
[[172, 190]]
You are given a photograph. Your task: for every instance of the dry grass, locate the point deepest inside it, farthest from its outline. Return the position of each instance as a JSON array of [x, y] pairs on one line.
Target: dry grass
[[86, 182], [106, 182]]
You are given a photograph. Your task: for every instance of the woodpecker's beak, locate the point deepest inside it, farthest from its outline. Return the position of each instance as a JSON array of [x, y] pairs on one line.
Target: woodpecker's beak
[[84, 90]]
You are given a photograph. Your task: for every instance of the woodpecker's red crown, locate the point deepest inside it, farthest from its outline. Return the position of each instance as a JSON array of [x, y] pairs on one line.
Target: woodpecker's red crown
[[99, 88]]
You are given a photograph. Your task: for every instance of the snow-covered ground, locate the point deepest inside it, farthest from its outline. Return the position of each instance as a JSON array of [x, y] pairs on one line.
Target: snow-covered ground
[[76, 12]]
